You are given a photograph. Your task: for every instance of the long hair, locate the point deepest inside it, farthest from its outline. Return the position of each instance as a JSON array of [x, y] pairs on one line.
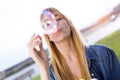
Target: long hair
[[58, 62]]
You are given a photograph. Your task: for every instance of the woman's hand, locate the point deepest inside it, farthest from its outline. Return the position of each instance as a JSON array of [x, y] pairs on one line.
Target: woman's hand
[[39, 56]]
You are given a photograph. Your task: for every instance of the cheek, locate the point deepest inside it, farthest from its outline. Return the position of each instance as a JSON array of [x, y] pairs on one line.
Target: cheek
[[67, 32], [66, 29]]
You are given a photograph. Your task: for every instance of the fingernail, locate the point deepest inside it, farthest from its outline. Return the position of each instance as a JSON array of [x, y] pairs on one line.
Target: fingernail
[[40, 37]]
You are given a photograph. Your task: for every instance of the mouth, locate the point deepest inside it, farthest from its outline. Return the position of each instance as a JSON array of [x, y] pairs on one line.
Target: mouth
[[58, 30]]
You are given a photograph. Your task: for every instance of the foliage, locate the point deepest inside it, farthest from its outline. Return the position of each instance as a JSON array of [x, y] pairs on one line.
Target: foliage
[[112, 41]]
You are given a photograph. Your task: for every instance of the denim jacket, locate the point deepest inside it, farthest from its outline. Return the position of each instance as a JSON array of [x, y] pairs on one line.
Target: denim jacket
[[102, 62]]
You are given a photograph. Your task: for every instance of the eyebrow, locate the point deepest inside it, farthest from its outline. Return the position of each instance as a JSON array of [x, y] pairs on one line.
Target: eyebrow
[[57, 16], [46, 20]]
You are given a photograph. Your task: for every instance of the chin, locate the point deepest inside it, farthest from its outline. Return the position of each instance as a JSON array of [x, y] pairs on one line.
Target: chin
[[60, 39]]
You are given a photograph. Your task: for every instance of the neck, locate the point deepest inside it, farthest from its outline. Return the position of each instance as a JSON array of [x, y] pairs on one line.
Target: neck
[[66, 48]]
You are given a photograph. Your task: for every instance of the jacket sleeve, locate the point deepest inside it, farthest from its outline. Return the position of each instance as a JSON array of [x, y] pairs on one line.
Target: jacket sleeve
[[114, 65]]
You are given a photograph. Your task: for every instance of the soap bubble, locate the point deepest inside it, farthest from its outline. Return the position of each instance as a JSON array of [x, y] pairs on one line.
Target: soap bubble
[[50, 24]]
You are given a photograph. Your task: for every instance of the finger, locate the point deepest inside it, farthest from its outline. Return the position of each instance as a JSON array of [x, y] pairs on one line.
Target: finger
[[36, 36], [35, 57], [38, 43], [32, 44], [39, 37], [33, 37]]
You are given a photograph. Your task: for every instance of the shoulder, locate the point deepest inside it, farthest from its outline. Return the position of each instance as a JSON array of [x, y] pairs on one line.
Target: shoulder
[[99, 47], [101, 51]]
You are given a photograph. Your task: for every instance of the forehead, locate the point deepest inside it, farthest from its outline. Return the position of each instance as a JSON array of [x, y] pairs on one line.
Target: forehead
[[49, 15]]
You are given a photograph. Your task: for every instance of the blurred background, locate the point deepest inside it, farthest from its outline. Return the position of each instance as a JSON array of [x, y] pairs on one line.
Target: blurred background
[[97, 20]]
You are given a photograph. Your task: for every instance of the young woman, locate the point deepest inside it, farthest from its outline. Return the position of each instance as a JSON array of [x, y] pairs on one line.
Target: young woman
[[71, 58]]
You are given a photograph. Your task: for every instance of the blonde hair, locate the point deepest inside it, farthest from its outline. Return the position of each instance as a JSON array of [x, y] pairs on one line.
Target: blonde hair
[[58, 63]]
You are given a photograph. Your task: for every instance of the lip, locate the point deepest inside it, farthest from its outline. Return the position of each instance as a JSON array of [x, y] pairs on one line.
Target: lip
[[58, 30]]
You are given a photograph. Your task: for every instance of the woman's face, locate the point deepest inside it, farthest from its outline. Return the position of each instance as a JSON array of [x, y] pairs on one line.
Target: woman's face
[[63, 29]]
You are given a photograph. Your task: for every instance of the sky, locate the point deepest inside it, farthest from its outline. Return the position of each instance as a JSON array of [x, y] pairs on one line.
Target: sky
[[19, 19]]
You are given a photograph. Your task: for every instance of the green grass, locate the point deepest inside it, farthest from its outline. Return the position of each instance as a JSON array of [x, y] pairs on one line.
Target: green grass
[[36, 78], [112, 41]]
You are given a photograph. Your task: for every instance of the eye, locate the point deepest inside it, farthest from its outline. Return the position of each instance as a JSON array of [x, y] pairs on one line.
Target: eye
[[59, 19], [48, 24]]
